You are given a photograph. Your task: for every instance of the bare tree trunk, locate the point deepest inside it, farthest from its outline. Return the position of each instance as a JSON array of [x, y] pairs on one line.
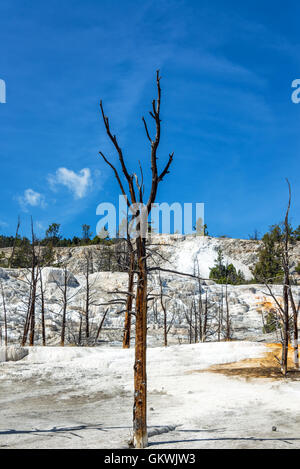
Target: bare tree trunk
[[63, 326], [128, 312], [27, 321], [43, 310], [163, 307], [205, 321], [286, 290], [200, 312], [14, 245], [165, 328], [140, 376], [5, 316], [101, 325], [285, 332], [220, 315], [32, 315], [228, 325], [189, 318], [295, 327], [80, 330], [195, 323], [87, 298], [34, 279]]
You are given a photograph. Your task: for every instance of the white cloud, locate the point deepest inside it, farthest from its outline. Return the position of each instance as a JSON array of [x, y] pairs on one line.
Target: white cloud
[[32, 198], [77, 183]]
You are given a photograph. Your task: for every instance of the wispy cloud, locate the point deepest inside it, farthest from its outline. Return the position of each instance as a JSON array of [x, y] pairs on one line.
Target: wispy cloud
[[31, 198], [77, 183], [40, 226]]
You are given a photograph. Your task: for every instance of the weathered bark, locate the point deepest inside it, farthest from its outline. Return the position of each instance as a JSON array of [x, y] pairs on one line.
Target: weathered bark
[[27, 320], [295, 328], [80, 330], [165, 327], [101, 325], [87, 309], [189, 319], [220, 315], [34, 279], [163, 307], [140, 376], [200, 310], [228, 324], [196, 324], [205, 320], [286, 290], [129, 301], [87, 296], [285, 329], [32, 315], [43, 310], [5, 316], [64, 312]]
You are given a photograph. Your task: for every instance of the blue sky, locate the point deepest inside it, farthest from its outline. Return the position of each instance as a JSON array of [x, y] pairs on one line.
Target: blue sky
[[227, 69]]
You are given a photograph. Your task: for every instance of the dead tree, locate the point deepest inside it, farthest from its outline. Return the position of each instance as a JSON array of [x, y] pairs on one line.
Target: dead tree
[[295, 310], [202, 310], [189, 320], [227, 317], [288, 293], [286, 289], [64, 309], [29, 327], [101, 325], [80, 330], [64, 302], [140, 437], [286, 268], [205, 320], [287, 296], [87, 296], [125, 259], [14, 244], [89, 299], [220, 315], [34, 279], [130, 295], [163, 304], [4, 315], [42, 309]]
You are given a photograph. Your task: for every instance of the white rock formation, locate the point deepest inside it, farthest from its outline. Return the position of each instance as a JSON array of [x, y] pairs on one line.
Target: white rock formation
[[247, 303], [12, 353]]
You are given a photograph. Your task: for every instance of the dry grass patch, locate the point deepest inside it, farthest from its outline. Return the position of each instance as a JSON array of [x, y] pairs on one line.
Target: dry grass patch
[[263, 367]]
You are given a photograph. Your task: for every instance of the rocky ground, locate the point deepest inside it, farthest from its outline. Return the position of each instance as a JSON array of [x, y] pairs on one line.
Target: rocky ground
[[82, 398], [199, 396]]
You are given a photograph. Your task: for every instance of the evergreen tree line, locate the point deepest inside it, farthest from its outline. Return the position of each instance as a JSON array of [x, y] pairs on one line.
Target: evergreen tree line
[[269, 266], [53, 236]]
